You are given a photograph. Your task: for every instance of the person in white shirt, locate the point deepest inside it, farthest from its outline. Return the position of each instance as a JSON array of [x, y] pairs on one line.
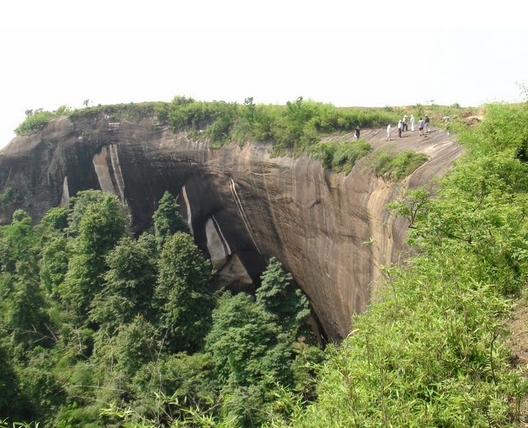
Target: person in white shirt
[[412, 123], [388, 132]]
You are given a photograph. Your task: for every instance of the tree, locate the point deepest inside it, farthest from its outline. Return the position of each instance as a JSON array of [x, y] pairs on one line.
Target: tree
[[17, 242], [167, 219], [79, 204], [54, 264], [183, 296], [243, 341], [22, 305], [55, 220], [26, 311], [9, 388], [130, 283], [134, 344], [250, 354], [279, 296], [104, 221]]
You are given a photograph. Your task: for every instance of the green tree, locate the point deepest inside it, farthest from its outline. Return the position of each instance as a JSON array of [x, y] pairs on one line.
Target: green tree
[[183, 297], [121, 356], [18, 242], [130, 283], [250, 353], [23, 305], [42, 392], [167, 219], [170, 388], [25, 311], [79, 204], [54, 264], [9, 385], [246, 342], [279, 296], [56, 219], [103, 223]]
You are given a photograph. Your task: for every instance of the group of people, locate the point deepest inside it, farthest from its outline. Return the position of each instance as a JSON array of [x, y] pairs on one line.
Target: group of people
[[424, 126]]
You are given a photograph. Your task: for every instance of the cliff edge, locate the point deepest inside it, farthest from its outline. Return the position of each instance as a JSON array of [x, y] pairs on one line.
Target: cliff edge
[[331, 231]]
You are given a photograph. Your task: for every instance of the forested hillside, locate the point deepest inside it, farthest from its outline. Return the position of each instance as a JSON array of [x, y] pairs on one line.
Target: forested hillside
[[98, 326], [102, 328]]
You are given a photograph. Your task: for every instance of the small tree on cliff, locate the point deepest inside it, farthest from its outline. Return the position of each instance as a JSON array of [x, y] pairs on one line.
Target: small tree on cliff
[[167, 219]]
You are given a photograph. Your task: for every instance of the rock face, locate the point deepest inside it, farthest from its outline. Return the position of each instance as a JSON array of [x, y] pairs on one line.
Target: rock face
[[330, 231]]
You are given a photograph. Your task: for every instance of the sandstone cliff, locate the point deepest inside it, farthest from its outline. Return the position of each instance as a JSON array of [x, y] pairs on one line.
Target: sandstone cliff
[[330, 231]]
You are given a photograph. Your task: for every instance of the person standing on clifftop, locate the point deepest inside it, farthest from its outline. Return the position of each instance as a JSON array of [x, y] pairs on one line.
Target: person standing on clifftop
[[357, 133], [412, 123], [427, 127], [404, 123], [420, 126], [388, 132], [400, 127]]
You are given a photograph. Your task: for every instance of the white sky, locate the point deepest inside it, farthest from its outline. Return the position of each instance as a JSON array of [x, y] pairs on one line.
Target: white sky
[[382, 53]]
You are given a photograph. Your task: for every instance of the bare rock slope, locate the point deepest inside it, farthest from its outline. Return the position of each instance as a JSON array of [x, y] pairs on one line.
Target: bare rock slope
[[331, 231]]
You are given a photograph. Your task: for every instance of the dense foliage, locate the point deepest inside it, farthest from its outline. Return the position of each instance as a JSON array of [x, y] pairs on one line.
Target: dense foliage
[[38, 119], [294, 127], [432, 349], [98, 328]]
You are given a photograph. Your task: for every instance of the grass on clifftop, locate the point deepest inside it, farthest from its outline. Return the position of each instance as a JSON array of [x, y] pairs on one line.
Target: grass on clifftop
[[292, 129]]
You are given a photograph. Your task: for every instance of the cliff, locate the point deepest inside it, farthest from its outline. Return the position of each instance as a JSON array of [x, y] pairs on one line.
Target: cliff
[[331, 231]]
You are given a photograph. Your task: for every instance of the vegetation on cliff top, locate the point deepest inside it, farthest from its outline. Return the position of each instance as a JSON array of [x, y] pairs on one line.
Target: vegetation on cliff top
[[292, 129]]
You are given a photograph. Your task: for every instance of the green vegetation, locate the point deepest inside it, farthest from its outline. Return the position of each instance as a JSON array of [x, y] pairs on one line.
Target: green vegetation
[[394, 166], [38, 119], [98, 328], [134, 112], [292, 128], [167, 219], [297, 127], [340, 156]]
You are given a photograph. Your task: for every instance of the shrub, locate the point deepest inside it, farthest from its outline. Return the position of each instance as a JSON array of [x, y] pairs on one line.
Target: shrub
[[340, 156], [395, 166], [34, 123]]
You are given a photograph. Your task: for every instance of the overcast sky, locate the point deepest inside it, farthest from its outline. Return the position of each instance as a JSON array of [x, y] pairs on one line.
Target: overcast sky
[[62, 52]]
